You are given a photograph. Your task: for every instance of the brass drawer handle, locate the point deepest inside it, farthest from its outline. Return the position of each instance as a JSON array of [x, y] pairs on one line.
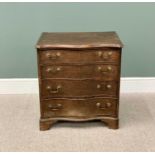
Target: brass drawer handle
[[109, 53], [54, 91], [100, 54], [53, 55], [104, 55], [53, 70], [98, 86], [108, 69], [109, 86], [55, 107], [100, 106], [102, 86], [107, 105]]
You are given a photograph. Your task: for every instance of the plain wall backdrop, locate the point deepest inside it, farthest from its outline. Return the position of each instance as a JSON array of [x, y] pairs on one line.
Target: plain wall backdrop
[[22, 23]]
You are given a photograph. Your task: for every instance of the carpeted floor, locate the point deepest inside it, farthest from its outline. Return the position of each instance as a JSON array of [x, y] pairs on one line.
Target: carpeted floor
[[19, 130]]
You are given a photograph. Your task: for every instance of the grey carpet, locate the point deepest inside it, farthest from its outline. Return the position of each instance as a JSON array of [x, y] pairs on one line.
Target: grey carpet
[[19, 128]]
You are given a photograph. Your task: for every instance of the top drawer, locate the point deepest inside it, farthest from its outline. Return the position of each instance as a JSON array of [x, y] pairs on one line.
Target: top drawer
[[85, 56]]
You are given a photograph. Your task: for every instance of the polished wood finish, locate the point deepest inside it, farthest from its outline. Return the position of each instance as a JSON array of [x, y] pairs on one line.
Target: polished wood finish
[[79, 77], [106, 72], [87, 107], [103, 55], [78, 40], [77, 88]]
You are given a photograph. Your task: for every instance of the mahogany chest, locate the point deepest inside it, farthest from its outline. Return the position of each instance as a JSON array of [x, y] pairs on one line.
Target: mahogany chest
[[79, 77]]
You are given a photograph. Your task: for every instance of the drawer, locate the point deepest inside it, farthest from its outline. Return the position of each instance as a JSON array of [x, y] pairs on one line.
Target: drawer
[[79, 88], [106, 72], [87, 56], [91, 107]]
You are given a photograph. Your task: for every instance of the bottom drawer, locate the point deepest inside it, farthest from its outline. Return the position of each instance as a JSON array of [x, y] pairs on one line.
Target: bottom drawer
[[98, 106]]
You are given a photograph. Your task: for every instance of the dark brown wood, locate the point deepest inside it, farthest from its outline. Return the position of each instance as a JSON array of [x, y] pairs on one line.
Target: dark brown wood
[[106, 72], [79, 77], [106, 55], [46, 125], [79, 40], [77, 88], [88, 107], [112, 123]]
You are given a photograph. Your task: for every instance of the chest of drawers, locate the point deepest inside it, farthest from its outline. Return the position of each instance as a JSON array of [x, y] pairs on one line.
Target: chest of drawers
[[79, 77]]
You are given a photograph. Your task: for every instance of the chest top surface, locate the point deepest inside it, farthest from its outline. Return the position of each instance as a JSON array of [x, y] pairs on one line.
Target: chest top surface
[[78, 40]]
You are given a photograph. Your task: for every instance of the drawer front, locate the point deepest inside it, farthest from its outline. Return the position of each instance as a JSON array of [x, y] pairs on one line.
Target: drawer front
[[72, 88], [79, 107], [87, 56], [106, 72]]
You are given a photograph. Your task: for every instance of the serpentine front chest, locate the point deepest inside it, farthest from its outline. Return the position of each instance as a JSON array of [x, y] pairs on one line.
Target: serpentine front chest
[[79, 77]]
